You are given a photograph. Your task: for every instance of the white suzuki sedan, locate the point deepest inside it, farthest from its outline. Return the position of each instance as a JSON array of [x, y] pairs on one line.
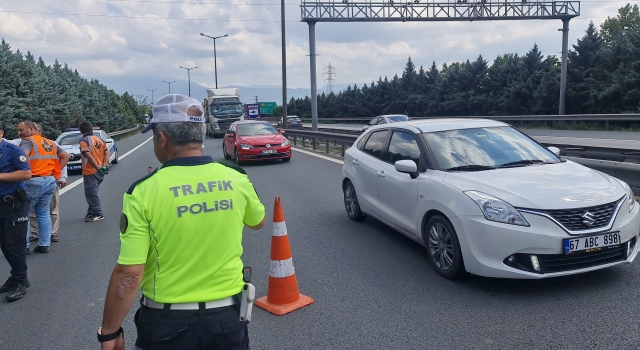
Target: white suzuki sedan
[[484, 198]]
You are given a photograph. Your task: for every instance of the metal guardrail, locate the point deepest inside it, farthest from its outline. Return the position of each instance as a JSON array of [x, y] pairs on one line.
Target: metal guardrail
[[319, 139], [124, 133], [628, 172], [606, 118]]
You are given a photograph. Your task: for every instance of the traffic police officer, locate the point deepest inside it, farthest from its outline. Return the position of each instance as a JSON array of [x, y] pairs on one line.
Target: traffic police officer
[[14, 215], [181, 241]]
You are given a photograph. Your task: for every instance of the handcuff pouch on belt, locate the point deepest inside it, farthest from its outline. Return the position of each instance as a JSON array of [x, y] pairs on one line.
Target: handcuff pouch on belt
[[19, 202]]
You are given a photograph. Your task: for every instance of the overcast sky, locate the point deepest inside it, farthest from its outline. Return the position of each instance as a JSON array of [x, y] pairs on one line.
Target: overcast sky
[[137, 42]]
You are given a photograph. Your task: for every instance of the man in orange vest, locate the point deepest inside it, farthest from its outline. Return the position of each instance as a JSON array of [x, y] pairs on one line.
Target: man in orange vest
[[95, 163], [55, 209], [46, 159]]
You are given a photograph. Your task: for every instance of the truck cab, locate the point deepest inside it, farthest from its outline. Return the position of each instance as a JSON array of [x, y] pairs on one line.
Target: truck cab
[[222, 107]]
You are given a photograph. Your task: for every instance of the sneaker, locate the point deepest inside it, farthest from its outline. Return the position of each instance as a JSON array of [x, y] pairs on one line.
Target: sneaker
[[93, 218], [17, 292], [54, 238], [41, 249], [33, 238]]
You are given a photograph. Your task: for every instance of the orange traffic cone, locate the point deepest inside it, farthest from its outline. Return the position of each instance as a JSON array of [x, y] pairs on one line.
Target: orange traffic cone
[[282, 295]]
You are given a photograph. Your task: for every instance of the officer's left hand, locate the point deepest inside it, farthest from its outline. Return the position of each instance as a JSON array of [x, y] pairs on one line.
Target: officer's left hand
[[116, 344], [61, 184]]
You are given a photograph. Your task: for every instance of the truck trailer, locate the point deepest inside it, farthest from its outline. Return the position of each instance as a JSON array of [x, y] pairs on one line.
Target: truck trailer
[[221, 108]]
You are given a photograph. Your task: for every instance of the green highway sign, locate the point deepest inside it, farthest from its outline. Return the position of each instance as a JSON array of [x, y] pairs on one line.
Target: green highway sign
[[267, 107]]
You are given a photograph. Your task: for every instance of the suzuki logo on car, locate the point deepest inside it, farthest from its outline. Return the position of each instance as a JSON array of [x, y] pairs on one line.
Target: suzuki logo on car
[[589, 219], [267, 145]]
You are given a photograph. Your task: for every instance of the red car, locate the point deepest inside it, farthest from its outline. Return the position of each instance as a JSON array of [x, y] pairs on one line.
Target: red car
[[249, 140]]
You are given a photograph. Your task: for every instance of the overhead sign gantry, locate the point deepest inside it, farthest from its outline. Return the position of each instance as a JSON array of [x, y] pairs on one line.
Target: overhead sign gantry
[[420, 10]]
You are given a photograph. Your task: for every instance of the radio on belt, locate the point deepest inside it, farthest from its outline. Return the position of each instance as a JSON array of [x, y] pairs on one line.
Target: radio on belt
[[248, 295]]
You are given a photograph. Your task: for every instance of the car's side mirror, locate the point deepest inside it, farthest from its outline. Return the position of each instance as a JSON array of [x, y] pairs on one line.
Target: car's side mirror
[[231, 134], [555, 150], [407, 166], [109, 140], [281, 131]]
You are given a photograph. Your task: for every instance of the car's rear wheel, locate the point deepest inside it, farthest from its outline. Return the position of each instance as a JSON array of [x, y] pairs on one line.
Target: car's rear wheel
[[351, 203], [224, 152], [443, 247], [238, 161], [115, 159]]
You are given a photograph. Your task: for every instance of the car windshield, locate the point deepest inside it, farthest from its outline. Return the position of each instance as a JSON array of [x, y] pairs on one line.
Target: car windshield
[[398, 118], [227, 108], [254, 129], [71, 139], [485, 148]]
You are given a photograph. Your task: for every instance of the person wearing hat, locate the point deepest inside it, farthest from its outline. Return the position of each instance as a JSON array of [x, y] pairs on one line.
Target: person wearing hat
[[181, 241], [14, 216]]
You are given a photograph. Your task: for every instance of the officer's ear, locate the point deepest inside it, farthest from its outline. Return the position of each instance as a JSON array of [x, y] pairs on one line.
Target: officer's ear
[[162, 139]]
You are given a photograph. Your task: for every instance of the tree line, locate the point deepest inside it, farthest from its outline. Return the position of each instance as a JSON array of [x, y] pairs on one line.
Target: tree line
[[603, 76], [57, 97]]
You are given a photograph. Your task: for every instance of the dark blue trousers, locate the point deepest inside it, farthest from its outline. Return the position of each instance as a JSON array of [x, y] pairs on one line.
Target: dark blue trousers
[[210, 329]]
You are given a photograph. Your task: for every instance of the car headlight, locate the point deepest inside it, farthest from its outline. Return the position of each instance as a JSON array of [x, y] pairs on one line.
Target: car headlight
[[245, 146], [285, 143], [495, 209], [631, 198]]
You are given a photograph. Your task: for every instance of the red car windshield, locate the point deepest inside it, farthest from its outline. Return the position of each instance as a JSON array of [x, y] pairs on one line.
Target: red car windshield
[[254, 129]]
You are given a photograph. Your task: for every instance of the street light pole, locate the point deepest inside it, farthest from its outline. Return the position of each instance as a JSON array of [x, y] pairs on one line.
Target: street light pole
[[152, 90], [169, 82], [189, 76], [215, 59], [284, 67]]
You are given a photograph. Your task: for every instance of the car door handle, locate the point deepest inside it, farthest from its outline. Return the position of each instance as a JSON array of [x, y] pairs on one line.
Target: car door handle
[[355, 161], [380, 173]]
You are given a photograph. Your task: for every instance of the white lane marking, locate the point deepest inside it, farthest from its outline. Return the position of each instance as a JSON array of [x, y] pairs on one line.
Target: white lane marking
[[79, 181], [67, 188], [318, 155], [138, 146]]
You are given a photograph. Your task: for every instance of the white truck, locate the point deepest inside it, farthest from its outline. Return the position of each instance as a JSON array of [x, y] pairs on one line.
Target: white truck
[[221, 108]]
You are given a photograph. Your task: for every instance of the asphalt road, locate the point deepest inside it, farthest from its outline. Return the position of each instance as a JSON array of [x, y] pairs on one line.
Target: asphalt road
[[373, 288]]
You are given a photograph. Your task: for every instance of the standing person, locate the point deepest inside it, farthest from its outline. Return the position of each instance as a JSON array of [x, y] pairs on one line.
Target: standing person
[[181, 240], [95, 160], [54, 210], [14, 211], [46, 159]]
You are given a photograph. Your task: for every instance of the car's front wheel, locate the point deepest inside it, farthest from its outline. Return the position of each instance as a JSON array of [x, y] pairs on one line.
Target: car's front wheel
[[238, 161], [351, 203], [443, 247], [115, 159], [224, 152]]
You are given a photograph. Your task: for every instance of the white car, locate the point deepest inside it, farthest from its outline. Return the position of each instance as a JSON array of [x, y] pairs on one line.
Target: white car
[[485, 198], [386, 119], [70, 142]]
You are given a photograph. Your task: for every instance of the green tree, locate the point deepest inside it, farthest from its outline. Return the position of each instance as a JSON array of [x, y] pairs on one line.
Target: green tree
[[628, 20]]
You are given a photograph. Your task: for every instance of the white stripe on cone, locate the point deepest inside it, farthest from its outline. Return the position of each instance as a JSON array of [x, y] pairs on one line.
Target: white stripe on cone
[[279, 229], [281, 268]]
